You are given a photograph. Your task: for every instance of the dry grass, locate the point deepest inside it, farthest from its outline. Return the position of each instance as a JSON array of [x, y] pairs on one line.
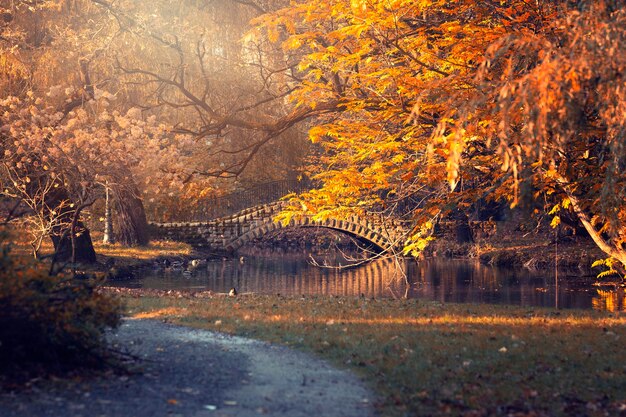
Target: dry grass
[[121, 254], [429, 359], [153, 250]]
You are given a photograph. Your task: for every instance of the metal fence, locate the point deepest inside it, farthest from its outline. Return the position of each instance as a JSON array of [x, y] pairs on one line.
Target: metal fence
[[213, 208]]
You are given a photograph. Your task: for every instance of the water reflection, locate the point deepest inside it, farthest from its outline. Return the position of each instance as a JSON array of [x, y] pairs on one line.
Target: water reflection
[[608, 300], [471, 282], [286, 275], [443, 280]]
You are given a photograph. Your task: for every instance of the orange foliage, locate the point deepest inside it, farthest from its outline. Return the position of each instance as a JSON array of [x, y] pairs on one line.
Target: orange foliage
[[455, 101]]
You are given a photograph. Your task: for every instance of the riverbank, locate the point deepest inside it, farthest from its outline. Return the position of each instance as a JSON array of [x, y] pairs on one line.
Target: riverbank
[[519, 242], [428, 358], [575, 256], [114, 261], [505, 246]]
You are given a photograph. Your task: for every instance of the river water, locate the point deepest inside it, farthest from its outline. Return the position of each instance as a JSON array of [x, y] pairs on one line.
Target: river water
[[444, 280]]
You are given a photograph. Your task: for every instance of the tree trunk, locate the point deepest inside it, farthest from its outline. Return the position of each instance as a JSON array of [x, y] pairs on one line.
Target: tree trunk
[[131, 225], [108, 237], [62, 241], [61, 235], [607, 247]]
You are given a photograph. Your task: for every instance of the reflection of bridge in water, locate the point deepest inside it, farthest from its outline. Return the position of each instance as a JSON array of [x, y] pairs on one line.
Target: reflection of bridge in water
[[245, 216], [289, 276], [445, 281]]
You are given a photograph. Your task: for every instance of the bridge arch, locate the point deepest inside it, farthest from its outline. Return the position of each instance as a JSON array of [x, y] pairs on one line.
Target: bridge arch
[[231, 232], [354, 227]]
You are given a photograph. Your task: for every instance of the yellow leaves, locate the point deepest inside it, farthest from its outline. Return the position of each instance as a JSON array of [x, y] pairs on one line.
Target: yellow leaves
[[555, 209], [452, 146], [564, 204], [506, 102], [609, 264], [556, 220], [359, 7], [397, 159], [351, 31], [285, 217], [317, 133], [419, 240], [292, 43]]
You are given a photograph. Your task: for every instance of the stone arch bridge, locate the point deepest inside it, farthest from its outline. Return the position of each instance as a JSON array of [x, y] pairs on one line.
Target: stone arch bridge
[[229, 233]]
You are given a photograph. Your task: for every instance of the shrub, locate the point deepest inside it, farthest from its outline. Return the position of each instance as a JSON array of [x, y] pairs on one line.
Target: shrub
[[51, 323]]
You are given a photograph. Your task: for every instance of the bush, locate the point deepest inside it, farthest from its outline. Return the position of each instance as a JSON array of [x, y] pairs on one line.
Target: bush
[[51, 324]]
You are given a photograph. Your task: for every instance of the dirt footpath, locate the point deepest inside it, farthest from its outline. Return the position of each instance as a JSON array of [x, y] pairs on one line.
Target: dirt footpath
[[198, 373]]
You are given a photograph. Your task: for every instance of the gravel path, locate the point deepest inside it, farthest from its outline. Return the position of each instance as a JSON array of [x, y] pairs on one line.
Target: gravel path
[[198, 373]]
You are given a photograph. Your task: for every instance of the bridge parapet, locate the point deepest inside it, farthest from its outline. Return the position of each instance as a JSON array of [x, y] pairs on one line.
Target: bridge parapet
[[239, 201]]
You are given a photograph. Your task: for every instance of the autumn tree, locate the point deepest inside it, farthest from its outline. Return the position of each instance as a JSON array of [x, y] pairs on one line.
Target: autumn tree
[[61, 52], [414, 107], [450, 102], [23, 177], [552, 104], [372, 65], [58, 163]]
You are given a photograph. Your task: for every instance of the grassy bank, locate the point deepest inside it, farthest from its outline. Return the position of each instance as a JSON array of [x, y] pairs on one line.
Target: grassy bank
[[106, 253], [142, 254], [429, 359]]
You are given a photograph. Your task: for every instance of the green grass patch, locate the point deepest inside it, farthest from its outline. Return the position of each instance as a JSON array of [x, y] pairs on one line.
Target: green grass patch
[[430, 359]]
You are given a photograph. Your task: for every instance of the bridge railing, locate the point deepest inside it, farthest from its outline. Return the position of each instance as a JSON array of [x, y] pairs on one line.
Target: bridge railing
[[270, 192], [226, 205]]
